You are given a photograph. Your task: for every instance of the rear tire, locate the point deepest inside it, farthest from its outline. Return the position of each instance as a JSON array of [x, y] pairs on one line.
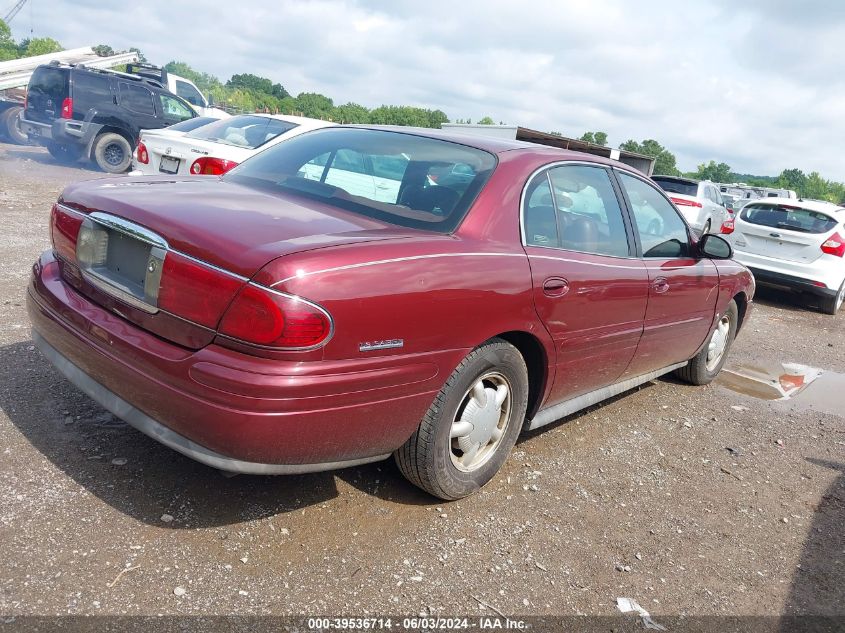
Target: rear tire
[[65, 154], [112, 153], [706, 365], [831, 305], [11, 126], [470, 428]]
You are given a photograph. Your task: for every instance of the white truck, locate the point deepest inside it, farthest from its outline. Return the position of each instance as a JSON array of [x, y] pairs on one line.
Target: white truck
[[15, 75]]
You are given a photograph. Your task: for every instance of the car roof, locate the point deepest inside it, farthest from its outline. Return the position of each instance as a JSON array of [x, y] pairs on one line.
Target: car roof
[[496, 145], [810, 205], [299, 120]]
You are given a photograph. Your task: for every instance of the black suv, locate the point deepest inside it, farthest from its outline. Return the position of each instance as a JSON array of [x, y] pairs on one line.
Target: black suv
[[76, 111]]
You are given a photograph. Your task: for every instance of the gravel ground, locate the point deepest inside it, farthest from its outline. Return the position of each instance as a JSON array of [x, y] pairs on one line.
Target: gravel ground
[[639, 497]]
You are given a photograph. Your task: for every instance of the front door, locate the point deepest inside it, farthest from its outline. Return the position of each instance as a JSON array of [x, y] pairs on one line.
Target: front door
[[589, 289], [683, 288]]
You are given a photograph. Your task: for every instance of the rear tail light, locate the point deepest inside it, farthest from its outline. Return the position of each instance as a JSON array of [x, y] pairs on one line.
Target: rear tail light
[[194, 291], [212, 166], [681, 202], [64, 232], [727, 227], [261, 316], [143, 155], [67, 108], [834, 245]]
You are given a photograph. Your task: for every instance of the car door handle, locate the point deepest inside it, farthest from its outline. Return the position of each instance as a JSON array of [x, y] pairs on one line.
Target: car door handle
[[660, 285], [555, 287], [774, 235]]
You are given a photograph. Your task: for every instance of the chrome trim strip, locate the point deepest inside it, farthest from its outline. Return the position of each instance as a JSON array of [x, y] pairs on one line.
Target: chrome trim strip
[[128, 228], [586, 263], [376, 262], [117, 292], [159, 432], [568, 407]]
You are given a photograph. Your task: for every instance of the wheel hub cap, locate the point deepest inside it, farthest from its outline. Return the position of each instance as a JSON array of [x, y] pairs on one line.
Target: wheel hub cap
[[718, 343], [481, 421]]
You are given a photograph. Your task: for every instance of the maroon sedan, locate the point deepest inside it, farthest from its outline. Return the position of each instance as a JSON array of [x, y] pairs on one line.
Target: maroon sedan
[[355, 293]]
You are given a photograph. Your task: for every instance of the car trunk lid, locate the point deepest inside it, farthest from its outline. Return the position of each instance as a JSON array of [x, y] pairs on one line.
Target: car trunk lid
[[784, 232]]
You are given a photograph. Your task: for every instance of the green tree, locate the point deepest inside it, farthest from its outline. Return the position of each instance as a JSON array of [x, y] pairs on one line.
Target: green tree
[[588, 137], [720, 172], [351, 113], [314, 105], [436, 118], [103, 50], [8, 48], [664, 163], [39, 46], [205, 82], [486, 121], [597, 138], [141, 57], [256, 84], [794, 179]]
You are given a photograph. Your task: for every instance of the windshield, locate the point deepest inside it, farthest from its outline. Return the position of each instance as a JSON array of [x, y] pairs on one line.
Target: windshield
[[395, 177], [673, 185], [192, 124], [789, 218], [245, 130]]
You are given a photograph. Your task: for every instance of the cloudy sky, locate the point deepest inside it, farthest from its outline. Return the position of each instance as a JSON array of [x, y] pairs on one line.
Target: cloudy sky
[[759, 86]]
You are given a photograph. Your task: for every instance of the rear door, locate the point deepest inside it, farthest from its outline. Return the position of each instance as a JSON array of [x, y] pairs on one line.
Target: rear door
[[48, 87], [92, 94], [137, 102], [683, 288], [590, 289], [783, 232]]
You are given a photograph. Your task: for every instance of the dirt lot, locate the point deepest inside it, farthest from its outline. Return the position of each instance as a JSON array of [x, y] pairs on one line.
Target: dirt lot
[[639, 497]]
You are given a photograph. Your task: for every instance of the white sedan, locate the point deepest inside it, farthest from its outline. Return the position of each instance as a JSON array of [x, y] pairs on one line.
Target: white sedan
[[217, 147]]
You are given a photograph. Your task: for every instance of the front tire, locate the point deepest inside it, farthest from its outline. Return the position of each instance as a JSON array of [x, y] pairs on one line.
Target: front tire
[[706, 365], [472, 425], [112, 153]]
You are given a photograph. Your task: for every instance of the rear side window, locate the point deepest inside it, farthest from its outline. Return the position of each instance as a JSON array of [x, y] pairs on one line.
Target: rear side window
[[673, 185], [243, 131], [384, 175], [136, 98], [189, 93], [574, 207], [90, 90], [789, 218], [663, 234]]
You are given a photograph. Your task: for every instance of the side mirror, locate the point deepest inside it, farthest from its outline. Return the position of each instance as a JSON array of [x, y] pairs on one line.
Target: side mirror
[[715, 247]]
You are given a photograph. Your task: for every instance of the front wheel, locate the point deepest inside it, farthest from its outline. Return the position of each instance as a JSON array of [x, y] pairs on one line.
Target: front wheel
[[706, 365], [470, 428], [112, 153]]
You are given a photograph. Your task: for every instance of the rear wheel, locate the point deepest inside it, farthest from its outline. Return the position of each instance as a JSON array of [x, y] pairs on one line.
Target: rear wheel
[[707, 364], [471, 426], [831, 305], [64, 153], [112, 153], [11, 122]]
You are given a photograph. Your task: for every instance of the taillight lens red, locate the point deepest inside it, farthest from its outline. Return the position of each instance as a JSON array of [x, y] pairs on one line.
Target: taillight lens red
[[67, 108], [727, 227], [211, 166], [143, 155], [834, 245], [194, 291], [263, 317], [681, 202], [64, 232]]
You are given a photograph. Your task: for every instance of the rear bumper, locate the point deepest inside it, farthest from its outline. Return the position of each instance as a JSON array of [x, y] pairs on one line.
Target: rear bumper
[[793, 283], [226, 409], [65, 131]]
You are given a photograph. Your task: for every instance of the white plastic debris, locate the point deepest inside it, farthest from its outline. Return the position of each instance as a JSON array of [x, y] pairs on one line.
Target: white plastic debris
[[629, 605]]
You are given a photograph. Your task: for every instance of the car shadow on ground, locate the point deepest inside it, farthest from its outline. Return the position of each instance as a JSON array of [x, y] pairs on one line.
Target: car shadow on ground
[[44, 157], [81, 439], [786, 300]]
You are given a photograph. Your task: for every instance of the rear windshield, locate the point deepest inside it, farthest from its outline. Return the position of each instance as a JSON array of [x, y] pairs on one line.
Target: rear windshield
[[789, 218], [192, 124], [677, 186], [395, 177], [243, 131], [47, 88]]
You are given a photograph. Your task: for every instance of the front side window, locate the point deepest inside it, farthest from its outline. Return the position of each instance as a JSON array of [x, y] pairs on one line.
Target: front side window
[[189, 93], [136, 98], [662, 231], [576, 209], [174, 109], [380, 174]]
